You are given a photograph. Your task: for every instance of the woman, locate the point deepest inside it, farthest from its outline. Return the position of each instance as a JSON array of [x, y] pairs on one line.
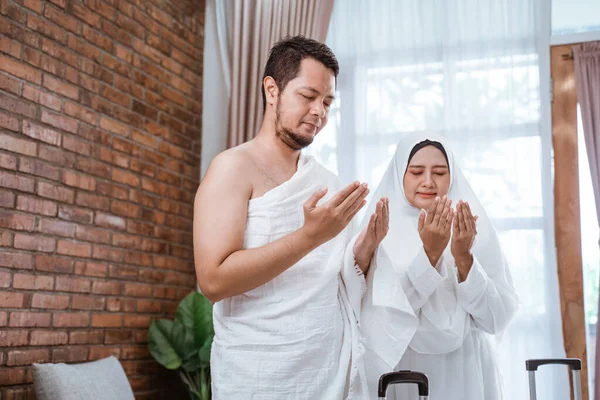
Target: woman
[[446, 265]]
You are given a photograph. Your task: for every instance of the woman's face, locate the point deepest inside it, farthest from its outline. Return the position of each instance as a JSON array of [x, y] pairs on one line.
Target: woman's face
[[427, 176]]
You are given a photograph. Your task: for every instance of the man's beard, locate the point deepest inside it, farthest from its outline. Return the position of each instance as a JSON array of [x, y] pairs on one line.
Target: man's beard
[[291, 139]]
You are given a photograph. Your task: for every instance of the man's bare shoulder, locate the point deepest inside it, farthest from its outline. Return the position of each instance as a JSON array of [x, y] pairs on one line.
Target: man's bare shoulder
[[232, 167]]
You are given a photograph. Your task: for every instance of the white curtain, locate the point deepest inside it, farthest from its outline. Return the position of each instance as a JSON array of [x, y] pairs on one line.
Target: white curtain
[[468, 70]]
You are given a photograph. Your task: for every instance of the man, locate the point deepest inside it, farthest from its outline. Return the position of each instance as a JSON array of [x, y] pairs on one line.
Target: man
[[273, 248]]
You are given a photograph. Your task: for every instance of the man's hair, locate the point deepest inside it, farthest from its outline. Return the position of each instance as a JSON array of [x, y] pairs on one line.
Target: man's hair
[[285, 57]]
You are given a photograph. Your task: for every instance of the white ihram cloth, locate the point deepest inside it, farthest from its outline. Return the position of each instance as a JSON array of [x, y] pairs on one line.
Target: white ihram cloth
[[295, 337], [456, 321]]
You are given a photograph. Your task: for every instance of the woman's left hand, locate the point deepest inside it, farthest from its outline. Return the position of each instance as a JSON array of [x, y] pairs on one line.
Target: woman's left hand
[[370, 238], [463, 237]]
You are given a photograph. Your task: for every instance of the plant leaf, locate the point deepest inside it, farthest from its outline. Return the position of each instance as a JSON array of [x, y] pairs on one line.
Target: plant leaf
[[195, 312], [183, 340], [160, 344], [204, 351]]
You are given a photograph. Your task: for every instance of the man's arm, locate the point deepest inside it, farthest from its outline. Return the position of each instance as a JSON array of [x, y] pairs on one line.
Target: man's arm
[[223, 268]]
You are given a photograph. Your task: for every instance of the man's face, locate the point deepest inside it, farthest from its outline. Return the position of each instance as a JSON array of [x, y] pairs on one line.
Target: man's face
[[427, 177], [303, 105]]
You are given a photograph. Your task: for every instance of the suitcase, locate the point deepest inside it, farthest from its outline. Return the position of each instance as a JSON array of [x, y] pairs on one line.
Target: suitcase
[[400, 377], [574, 365]]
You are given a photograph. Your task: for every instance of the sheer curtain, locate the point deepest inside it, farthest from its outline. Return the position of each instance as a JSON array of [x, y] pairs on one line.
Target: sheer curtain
[[469, 70]]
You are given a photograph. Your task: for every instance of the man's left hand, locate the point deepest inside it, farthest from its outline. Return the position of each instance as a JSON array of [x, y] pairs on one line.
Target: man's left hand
[[370, 238]]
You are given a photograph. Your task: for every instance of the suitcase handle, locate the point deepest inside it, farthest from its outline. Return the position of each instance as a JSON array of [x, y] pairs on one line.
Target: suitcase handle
[[573, 363], [404, 377]]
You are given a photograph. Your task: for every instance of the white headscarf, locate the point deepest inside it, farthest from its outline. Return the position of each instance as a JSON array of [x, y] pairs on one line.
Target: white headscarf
[[443, 322]]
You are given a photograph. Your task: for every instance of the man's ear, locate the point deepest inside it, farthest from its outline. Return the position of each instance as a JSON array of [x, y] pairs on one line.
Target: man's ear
[[271, 90]]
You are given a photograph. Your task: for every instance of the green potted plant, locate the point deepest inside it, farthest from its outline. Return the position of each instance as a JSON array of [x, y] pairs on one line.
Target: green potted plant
[[183, 344]]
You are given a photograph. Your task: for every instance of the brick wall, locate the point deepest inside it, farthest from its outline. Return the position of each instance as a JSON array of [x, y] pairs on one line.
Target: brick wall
[[99, 162]]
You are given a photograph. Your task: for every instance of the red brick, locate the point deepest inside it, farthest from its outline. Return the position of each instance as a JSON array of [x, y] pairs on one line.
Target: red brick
[[27, 357], [92, 201], [6, 238], [68, 284], [165, 293], [70, 354], [36, 205], [60, 52], [19, 222], [117, 192], [35, 5], [60, 121], [57, 302], [123, 146], [61, 19], [56, 156], [85, 14], [149, 306], [56, 227], [123, 272], [9, 46], [81, 113], [3, 318], [93, 167], [86, 337], [125, 241], [106, 287], [110, 156], [87, 303], [34, 166], [61, 87], [116, 33], [91, 269], [107, 320], [90, 234], [48, 338], [20, 70], [55, 192], [43, 27], [127, 86], [74, 249], [10, 259], [4, 279], [11, 300], [44, 62], [8, 161], [18, 106], [136, 321], [118, 336], [99, 352], [75, 214], [29, 319], [110, 221], [108, 253], [71, 319], [77, 145], [35, 243], [52, 263], [143, 199], [71, 178], [8, 122], [142, 138], [13, 376], [114, 126], [98, 39], [125, 209], [81, 46], [134, 352], [10, 143], [33, 282], [137, 290], [40, 133]]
